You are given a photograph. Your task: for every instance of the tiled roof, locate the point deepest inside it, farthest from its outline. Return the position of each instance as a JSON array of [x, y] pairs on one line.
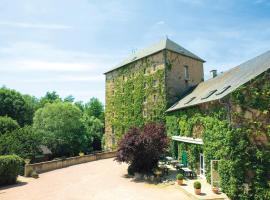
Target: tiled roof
[[161, 45], [225, 83]]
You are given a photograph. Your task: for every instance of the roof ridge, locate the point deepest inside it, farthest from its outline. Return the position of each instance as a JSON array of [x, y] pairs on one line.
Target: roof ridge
[[165, 43]]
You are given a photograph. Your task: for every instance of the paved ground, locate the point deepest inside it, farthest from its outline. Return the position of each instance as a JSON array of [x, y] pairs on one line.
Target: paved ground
[[98, 180]]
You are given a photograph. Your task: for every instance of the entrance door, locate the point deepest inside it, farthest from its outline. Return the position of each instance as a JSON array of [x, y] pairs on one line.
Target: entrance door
[[202, 167]]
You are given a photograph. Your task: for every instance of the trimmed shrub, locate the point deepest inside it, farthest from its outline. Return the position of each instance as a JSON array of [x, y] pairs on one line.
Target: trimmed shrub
[[179, 177], [10, 166], [197, 185]]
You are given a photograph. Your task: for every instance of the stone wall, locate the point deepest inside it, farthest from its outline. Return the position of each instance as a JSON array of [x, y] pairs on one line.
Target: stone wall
[[176, 83], [58, 164]]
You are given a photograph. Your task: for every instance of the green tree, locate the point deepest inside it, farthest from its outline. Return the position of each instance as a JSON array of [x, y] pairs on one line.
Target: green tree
[[80, 105], [7, 124], [13, 104], [94, 131], [95, 108], [23, 142], [50, 97], [61, 128]]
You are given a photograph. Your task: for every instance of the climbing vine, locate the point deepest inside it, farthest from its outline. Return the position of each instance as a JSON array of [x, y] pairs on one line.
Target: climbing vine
[[241, 143], [134, 89]]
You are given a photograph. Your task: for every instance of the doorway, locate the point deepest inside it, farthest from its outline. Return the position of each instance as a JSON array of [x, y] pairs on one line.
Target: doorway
[[202, 166]]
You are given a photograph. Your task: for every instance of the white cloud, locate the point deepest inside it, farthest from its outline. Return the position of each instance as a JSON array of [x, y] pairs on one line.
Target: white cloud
[[34, 25]]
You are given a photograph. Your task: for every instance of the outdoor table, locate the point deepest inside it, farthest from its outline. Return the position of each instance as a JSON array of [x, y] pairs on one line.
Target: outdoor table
[[187, 171], [174, 162], [178, 166]]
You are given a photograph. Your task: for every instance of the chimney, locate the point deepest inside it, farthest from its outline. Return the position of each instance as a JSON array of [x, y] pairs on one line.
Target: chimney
[[214, 73]]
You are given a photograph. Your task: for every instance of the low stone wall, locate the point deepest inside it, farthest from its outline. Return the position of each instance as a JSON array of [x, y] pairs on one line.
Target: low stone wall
[[61, 163]]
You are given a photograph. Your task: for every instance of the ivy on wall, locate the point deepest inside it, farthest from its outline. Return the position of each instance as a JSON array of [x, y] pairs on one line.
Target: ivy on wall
[[244, 166], [138, 97]]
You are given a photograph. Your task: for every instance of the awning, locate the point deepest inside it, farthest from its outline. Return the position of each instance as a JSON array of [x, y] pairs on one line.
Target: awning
[[187, 139]]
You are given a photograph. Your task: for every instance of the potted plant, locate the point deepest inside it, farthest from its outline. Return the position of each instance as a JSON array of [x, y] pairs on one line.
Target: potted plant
[[215, 189], [180, 179], [197, 187]]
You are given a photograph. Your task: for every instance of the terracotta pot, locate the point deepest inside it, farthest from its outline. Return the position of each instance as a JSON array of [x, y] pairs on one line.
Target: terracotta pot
[[215, 190], [197, 191], [180, 182]]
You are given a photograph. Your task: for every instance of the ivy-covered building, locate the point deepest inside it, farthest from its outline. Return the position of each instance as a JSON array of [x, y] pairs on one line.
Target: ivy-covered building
[[227, 119], [142, 87]]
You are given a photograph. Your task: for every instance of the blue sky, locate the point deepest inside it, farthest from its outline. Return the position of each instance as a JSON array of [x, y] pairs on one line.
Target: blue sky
[[66, 45]]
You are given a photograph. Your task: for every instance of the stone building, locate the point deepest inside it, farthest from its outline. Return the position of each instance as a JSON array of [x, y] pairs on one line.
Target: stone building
[[226, 119], [148, 82]]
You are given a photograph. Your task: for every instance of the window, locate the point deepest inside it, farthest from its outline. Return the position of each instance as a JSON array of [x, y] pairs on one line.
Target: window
[[144, 99], [112, 129], [144, 113], [223, 90], [155, 98], [186, 72], [144, 85], [154, 68], [155, 83], [190, 100], [209, 94]]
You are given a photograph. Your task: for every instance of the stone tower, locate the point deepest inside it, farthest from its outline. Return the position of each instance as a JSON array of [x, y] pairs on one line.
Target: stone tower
[[142, 87]]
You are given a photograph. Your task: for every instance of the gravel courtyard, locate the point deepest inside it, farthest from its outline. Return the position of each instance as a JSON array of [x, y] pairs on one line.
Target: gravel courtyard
[[98, 180]]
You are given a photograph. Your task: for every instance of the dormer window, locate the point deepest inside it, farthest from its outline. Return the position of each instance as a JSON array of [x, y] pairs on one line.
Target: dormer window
[[186, 72], [155, 98]]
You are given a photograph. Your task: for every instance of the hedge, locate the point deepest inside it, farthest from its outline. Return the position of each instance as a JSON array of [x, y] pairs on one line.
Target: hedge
[[10, 166]]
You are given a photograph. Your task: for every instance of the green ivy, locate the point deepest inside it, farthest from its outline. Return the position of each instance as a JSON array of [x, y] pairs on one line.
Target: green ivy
[[244, 166], [130, 89]]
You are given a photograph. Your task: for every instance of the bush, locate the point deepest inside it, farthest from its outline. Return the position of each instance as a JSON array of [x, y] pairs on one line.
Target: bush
[[23, 142], [142, 148], [7, 124], [197, 185], [179, 177], [10, 166]]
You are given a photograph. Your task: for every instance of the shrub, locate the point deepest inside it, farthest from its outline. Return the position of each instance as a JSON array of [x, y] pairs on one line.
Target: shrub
[[179, 177], [197, 185], [23, 142], [7, 124], [142, 148], [10, 166]]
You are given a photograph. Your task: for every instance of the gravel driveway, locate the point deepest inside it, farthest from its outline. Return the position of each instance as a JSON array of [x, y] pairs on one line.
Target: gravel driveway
[[97, 180]]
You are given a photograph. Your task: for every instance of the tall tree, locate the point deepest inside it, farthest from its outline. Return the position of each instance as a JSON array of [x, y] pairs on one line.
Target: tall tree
[[13, 104], [95, 108], [50, 97], [61, 128]]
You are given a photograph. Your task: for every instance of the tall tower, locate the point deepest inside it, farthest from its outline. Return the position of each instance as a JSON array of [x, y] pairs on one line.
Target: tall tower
[[142, 87]]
